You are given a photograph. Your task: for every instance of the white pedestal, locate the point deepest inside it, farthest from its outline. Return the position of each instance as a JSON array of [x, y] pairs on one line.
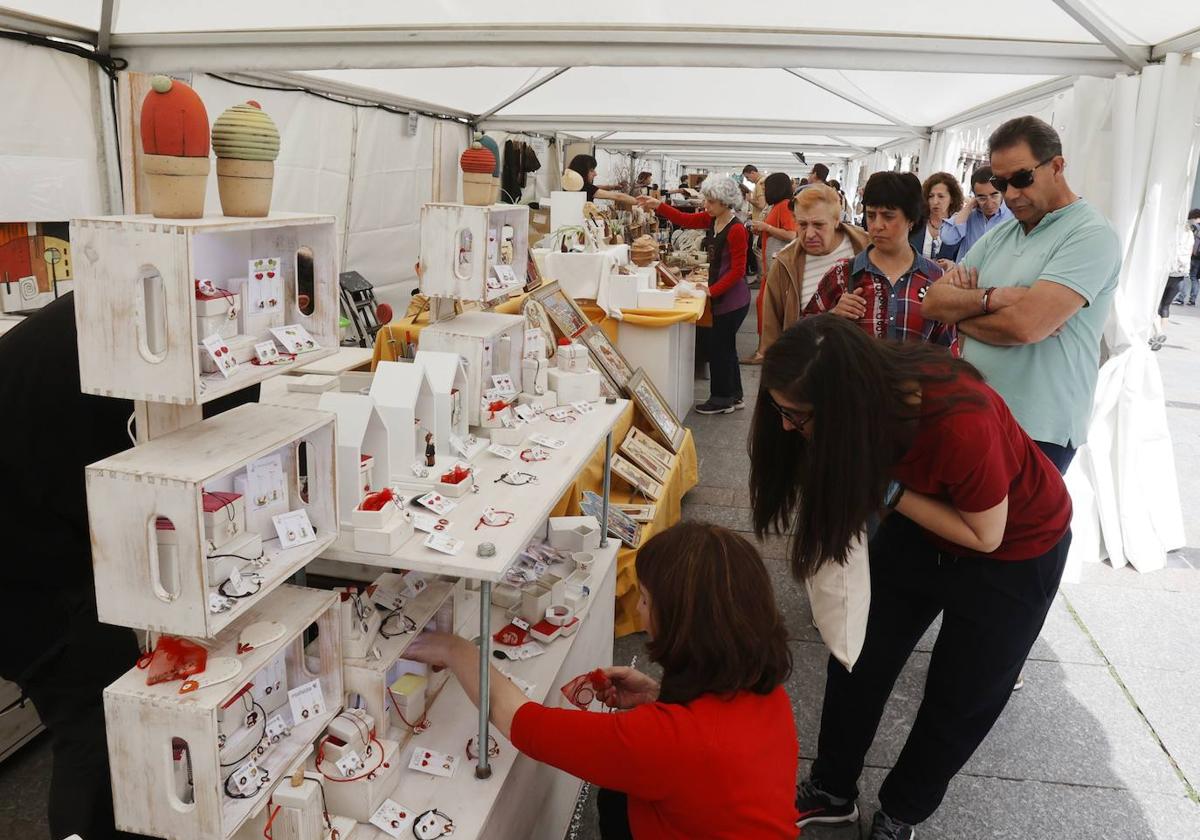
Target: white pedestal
[[668, 355]]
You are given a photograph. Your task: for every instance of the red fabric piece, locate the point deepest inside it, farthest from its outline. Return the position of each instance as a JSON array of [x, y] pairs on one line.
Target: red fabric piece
[[973, 456], [376, 501], [173, 659], [738, 241], [722, 769]]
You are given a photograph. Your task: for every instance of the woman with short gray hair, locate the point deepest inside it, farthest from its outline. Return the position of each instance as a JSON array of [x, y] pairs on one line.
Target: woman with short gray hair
[[728, 243]]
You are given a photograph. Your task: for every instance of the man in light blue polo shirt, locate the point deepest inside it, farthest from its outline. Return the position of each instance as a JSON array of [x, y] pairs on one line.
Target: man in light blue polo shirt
[[1034, 293], [984, 211]]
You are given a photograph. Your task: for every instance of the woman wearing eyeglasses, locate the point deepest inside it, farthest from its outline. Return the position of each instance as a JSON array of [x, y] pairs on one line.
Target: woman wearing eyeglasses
[[976, 528], [711, 751]]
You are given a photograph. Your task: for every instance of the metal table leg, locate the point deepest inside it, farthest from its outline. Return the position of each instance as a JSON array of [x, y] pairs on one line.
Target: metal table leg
[[608, 444], [483, 768]]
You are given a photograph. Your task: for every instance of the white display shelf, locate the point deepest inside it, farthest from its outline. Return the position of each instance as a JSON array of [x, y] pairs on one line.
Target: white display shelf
[[501, 806], [342, 360], [144, 721], [532, 504], [135, 306], [461, 245], [368, 677], [166, 477]]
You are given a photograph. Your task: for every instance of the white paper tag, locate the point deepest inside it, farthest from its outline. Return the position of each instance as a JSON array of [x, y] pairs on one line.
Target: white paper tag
[[277, 727], [527, 650], [428, 523], [506, 276], [520, 622], [306, 701], [437, 503], [434, 763], [547, 441], [220, 354], [583, 407], [444, 543], [393, 819], [294, 338], [560, 413], [414, 584], [218, 603], [265, 484], [294, 528], [248, 778], [505, 452], [525, 412], [239, 585], [266, 352], [349, 764]]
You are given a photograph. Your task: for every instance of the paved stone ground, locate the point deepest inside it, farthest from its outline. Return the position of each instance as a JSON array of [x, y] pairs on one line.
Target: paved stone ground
[[1103, 742]]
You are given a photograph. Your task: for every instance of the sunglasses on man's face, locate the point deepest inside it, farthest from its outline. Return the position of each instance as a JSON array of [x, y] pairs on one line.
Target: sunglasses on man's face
[[1020, 179]]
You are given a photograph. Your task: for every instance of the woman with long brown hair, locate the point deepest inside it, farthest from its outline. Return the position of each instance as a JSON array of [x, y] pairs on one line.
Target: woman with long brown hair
[[710, 752], [976, 527]]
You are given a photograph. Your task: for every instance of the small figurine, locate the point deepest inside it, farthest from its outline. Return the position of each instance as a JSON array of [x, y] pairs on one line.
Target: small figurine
[[430, 451]]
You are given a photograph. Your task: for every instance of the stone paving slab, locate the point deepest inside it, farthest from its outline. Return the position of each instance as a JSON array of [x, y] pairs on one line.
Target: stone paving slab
[[1144, 628]]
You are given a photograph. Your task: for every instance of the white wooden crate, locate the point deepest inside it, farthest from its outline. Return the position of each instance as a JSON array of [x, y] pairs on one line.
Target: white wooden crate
[[489, 342], [460, 246], [166, 477], [144, 723], [138, 338], [368, 678]]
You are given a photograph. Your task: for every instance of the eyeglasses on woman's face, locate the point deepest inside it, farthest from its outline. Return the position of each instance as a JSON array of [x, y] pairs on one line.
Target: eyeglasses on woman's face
[[797, 418]]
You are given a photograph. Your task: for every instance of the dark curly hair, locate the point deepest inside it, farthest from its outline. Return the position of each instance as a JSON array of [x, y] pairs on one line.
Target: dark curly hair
[[952, 186]]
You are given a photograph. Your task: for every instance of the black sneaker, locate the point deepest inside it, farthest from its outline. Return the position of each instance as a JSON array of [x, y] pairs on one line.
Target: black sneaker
[[739, 404], [815, 806], [886, 828], [711, 407]]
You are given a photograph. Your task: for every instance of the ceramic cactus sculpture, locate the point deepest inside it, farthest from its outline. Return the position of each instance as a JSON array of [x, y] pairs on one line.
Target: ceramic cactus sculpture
[[492, 146], [246, 142], [174, 129], [477, 164]]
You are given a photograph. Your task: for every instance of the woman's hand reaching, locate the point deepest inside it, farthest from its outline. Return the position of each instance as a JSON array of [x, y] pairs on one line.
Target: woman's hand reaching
[[628, 688]]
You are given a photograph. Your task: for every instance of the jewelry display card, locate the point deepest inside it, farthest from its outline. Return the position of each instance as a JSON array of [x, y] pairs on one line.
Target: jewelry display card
[[306, 701], [265, 484], [264, 285], [429, 524], [547, 441], [505, 452], [294, 338], [437, 503], [583, 407], [525, 412], [294, 528], [266, 352], [219, 352], [434, 763], [443, 543], [392, 818], [248, 778], [414, 583], [503, 385]]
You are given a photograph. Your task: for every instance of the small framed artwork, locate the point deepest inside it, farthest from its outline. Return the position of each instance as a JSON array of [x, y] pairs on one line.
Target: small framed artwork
[[650, 445], [533, 277], [608, 388], [562, 310], [645, 460], [660, 415], [620, 525], [607, 356], [638, 480], [638, 513], [664, 276]]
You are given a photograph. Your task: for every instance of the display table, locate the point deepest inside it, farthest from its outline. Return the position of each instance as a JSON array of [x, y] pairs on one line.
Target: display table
[[663, 343], [581, 274]]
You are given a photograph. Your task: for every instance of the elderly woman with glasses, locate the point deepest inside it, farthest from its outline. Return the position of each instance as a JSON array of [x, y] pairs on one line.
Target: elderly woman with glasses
[[728, 242]]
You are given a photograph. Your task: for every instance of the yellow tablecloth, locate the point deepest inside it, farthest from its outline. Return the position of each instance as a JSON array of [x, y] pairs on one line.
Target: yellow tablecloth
[[684, 476]]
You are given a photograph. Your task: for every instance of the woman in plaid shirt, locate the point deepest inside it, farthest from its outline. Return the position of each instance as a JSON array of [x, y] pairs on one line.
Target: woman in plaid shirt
[[881, 289]]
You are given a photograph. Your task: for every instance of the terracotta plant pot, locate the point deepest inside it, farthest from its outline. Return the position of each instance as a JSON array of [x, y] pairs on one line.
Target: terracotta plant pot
[[245, 186], [177, 185], [477, 188]]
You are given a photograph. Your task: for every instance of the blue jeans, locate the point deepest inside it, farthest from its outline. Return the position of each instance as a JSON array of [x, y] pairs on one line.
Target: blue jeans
[[1194, 281], [1060, 456]]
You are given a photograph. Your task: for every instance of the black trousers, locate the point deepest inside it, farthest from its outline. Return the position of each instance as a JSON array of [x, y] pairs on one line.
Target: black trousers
[[62, 657], [613, 809], [719, 345], [992, 611]]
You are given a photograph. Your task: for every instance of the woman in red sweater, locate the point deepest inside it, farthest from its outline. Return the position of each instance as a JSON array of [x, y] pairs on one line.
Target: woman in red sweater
[[849, 426], [727, 241], [708, 754]]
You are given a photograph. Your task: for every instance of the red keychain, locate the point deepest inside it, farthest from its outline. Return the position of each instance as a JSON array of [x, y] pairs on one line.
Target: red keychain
[[173, 659], [582, 690]]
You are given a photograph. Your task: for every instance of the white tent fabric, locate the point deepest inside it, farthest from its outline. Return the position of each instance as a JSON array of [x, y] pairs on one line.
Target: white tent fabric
[[1137, 146], [50, 137]]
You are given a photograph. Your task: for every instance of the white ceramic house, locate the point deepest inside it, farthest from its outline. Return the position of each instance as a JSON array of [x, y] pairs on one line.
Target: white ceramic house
[[361, 433], [405, 401], [448, 380]]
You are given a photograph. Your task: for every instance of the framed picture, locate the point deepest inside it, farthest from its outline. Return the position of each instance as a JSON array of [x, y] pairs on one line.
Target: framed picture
[[636, 479], [650, 445], [562, 310], [638, 513], [533, 277], [607, 356], [645, 460], [620, 525], [608, 387], [664, 276], [660, 415]]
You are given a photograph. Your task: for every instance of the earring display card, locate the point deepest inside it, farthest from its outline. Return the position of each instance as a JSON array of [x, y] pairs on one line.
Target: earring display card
[[294, 529], [306, 701], [505, 452], [437, 503], [266, 352], [434, 763], [547, 441], [265, 484], [294, 338], [264, 285], [218, 351], [443, 543], [393, 819], [503, 385]]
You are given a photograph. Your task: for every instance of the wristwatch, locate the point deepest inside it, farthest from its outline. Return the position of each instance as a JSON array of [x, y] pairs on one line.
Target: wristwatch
[[891, 496]]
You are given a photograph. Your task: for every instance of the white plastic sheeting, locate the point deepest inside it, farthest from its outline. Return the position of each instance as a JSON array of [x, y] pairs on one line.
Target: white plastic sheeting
[[50, 137], [1135, 138]]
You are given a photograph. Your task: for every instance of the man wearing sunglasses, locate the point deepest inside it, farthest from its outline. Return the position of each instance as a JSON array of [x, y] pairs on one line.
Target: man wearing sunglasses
[[1032, 296], [982, 212]]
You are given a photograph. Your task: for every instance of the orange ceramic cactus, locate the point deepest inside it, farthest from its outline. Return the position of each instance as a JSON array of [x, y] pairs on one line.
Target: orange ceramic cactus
[[174, 121], [477, 159]]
